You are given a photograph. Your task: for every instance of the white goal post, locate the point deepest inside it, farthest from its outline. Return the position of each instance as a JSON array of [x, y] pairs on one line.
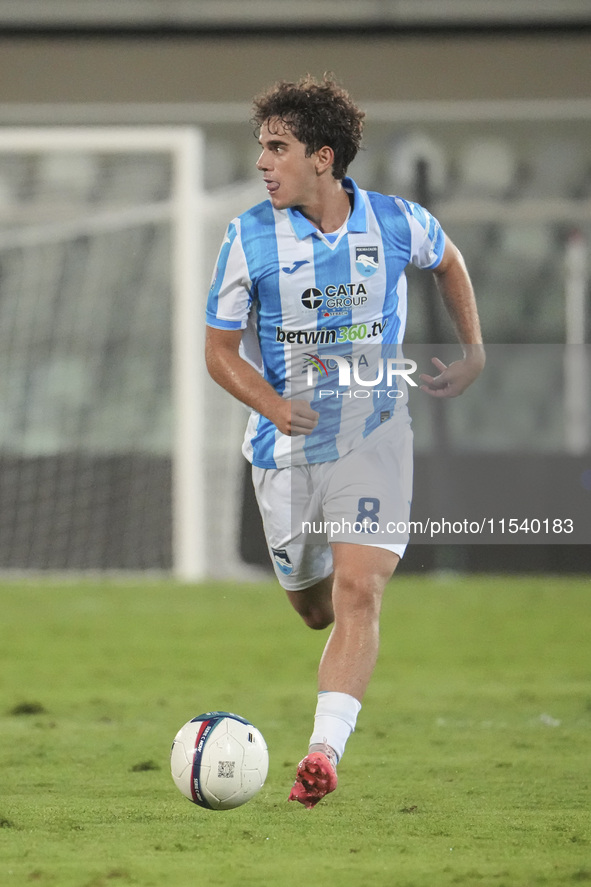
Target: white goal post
[[46, 220]]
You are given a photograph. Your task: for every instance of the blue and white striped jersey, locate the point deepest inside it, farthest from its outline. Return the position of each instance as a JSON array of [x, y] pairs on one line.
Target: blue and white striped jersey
[[303, 298]]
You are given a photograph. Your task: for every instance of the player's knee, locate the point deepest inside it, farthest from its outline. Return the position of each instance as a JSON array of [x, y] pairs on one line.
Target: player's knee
[[317, 618], [360, 594], [314, 604]]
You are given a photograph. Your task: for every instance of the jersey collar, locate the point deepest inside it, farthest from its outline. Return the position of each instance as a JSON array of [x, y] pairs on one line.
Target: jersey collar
[[357, 223]]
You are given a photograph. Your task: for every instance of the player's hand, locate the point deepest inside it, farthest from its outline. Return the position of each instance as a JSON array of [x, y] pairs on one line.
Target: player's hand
[[455, 378], [297, 417]]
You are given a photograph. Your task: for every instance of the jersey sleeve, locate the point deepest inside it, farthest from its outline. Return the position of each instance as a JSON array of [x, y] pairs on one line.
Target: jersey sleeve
[[427, 239], [229, 299]]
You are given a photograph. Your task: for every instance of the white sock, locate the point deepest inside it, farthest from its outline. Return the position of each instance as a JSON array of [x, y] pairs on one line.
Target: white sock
[[335, 719]]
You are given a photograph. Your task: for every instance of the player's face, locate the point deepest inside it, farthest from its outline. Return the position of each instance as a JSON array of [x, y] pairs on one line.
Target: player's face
[[289, 175]]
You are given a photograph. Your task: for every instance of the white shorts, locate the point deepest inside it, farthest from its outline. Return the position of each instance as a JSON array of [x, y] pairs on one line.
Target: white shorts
[[363, 498]]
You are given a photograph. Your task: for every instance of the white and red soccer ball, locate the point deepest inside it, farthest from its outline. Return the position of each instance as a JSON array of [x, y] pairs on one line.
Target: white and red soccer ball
[[219, 760]]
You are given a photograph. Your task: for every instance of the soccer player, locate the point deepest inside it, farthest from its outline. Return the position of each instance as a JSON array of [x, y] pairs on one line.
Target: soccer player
[[308, 282]]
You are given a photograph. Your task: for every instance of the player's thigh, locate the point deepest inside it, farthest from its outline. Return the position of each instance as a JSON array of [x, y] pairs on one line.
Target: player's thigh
[[369, 496], [299, 563]]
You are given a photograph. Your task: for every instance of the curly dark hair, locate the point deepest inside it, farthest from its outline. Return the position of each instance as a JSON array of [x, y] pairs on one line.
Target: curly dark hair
[[317, 114]]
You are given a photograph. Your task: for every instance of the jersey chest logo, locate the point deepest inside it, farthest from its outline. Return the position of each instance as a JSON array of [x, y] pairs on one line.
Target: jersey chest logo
[[335, 298], [293, 268], [366, 260]]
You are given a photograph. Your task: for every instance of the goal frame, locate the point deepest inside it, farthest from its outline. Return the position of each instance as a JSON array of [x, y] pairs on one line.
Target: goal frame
[[185, 211]]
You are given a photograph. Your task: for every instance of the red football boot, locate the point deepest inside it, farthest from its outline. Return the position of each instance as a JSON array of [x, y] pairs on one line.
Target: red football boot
[[316, 777]]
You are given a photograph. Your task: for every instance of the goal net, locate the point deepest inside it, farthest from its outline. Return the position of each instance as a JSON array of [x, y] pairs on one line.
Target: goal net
[[116, 451]]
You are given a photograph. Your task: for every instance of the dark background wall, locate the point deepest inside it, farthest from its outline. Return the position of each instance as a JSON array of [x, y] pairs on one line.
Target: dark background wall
[[233, 68]]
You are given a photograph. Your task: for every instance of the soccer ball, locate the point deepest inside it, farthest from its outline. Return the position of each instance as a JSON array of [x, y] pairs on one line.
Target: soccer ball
[[219, 760]]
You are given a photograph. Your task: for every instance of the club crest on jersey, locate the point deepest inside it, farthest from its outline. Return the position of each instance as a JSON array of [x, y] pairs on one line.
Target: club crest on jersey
[[366, 260], [282, 561]]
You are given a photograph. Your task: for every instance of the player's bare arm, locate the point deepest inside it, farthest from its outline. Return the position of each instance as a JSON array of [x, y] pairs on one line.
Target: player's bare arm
[[454, 286], [239, 378]]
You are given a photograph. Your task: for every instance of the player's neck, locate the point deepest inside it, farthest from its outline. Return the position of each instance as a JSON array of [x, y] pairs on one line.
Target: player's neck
[[331, 208]]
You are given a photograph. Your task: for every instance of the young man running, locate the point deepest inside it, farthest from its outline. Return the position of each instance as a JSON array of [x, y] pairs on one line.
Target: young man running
[[310, 282]]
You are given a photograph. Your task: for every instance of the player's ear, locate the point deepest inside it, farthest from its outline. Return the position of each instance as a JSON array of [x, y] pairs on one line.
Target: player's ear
[[324, 159]]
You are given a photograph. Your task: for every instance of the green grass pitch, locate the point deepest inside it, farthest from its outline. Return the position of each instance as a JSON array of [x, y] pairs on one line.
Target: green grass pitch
[[471, 763]]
